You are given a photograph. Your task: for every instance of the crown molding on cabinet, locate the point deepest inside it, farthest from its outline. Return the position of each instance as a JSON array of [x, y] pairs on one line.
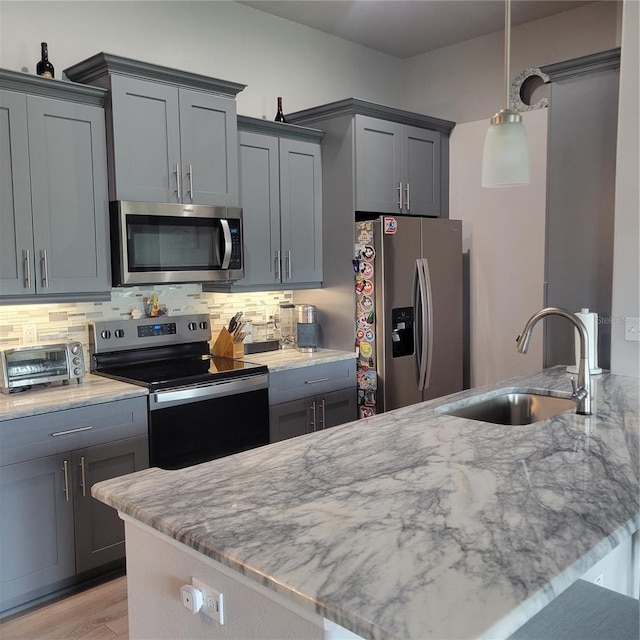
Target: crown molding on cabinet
[[355, 106], [51, 88], [580, 66], [269, 127], [106, 63]]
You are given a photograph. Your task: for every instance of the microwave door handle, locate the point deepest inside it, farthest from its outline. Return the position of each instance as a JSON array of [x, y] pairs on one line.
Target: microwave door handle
[[227, 243]]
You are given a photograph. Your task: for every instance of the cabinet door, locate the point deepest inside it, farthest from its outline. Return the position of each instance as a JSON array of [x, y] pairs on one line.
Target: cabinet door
[[16, 232], [300, 211], [146, 140], [67, 150], [36, 527], [208, 148], [99, 531], [421, 171], [290, 419], [378, 156], [260, 202], [338, 407]]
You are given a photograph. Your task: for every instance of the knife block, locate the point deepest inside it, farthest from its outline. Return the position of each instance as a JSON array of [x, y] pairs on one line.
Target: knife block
[[225, 346]]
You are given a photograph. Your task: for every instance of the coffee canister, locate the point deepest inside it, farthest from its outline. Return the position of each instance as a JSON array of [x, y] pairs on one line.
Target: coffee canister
[[306, 328]]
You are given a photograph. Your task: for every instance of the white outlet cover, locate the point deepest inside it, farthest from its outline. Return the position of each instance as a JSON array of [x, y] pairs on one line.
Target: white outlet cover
[[209, 595]]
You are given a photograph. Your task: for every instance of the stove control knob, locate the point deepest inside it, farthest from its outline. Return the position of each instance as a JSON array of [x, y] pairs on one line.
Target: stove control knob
[[119, 333], [76, 361], [192, 326], [77, 371], [75, 349], [106, 334], [203, 325]]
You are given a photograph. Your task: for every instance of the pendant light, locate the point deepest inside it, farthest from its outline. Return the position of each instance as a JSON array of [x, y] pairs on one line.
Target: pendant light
[[505, 159]]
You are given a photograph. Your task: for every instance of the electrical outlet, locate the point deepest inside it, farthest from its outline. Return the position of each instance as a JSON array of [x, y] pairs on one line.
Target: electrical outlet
[[29, 333], [632, 329], [213, 601]]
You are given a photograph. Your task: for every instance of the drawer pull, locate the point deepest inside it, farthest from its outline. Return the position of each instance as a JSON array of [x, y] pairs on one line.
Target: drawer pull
[[78, 430], [314, 381]]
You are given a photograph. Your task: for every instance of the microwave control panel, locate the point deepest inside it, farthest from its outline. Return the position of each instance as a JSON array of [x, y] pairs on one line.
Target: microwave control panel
[[236, 244]]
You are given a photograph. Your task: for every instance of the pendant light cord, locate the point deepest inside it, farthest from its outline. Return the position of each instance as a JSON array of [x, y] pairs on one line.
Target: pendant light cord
[[507, 48]]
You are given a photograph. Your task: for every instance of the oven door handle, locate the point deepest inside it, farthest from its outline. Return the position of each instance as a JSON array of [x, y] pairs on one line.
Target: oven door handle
[[184, 395]]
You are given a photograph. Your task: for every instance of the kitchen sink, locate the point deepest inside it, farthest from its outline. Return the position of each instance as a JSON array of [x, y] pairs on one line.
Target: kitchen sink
[[511, 408]]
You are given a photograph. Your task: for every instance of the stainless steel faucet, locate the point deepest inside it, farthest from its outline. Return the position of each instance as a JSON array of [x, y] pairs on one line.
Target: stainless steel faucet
[[582, 391]]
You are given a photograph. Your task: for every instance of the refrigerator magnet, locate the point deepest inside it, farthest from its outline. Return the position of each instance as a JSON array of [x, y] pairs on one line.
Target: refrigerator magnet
[[390, 225], [366, 269], [360, 334], [369, 335], [366, 303], [366, 350], [368, 253], [368, 288]]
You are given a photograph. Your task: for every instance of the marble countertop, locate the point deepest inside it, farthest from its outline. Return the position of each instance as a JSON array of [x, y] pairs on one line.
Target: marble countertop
[[284, 359], [92, 390], [413, 524]]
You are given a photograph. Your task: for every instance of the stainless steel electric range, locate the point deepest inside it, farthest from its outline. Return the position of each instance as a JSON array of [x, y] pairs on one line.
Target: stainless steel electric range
[[201, 406]]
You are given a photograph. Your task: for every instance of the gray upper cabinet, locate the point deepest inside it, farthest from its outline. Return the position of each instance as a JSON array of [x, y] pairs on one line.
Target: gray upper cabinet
[[172, 134], [281, 200], [53, 196], [397, 168]]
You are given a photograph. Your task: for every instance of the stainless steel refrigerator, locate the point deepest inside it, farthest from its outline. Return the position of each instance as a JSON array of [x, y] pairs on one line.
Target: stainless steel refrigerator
[[409, 325]]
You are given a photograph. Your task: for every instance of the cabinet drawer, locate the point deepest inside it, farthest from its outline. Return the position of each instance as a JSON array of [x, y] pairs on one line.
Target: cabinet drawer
[[302, 382], [59, 431]]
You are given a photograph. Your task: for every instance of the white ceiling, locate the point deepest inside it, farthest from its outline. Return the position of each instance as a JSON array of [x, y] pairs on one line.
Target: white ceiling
[[405, 28]]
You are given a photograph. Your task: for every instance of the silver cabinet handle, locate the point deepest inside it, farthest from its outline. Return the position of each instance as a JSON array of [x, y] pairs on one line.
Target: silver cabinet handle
[[313, 413], [278, 266], [178, 190], [27, 269], [399, 188], [190, 174], [83, 480], [408, 200], [44, 265], [323, 424], [288, 263], [65, 467], [68, 431], [316, 380]]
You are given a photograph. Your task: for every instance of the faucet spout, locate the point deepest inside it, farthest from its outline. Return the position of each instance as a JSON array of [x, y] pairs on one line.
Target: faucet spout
[[582, 392]]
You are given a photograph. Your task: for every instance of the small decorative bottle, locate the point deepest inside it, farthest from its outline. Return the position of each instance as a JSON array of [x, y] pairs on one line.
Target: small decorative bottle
[[44, 68], [279, 114]]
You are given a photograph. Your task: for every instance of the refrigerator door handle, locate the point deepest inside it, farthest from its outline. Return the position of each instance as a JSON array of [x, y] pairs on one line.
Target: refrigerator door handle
[[424, 304], [419, 304]]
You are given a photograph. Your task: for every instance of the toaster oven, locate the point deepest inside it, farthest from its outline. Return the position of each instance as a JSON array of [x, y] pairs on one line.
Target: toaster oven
[[26, 366]]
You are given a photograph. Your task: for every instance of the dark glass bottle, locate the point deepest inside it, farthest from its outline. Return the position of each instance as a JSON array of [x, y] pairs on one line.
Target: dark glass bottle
[[44, 68], [279, 115]]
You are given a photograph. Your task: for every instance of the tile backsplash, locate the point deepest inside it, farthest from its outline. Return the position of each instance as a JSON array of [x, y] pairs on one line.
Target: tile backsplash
[[69, 321]]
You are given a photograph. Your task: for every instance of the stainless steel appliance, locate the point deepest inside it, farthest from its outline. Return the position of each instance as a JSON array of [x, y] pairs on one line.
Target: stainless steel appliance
[[154, 243], [201, 407], [29, 365], [409, 310], [306, 328]]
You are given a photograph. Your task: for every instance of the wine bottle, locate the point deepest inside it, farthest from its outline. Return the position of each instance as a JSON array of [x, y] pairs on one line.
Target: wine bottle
[[44, 68], [279, 115]]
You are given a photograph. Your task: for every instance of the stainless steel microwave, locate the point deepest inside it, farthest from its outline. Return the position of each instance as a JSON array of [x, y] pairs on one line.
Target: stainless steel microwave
[[157, 243]]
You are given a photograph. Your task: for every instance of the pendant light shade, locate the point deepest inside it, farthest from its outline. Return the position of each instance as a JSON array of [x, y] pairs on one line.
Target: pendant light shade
[[505, 159]]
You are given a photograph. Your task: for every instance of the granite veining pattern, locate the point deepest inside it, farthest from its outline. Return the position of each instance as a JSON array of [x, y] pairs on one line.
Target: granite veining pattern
[[285, 359], [92, 390], [413, 524]]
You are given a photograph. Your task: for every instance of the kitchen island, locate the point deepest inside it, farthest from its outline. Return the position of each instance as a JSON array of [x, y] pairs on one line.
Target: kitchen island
[[410, 524]]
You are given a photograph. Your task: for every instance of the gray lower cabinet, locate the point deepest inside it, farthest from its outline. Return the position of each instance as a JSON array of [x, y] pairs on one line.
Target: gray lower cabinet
[[313, 413], [52, 532], [307, 399], [172, 134], [53, 191], [397, 168], [281, 200]]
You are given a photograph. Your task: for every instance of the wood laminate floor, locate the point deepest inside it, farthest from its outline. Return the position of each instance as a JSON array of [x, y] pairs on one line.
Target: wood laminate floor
[[99, 613]]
